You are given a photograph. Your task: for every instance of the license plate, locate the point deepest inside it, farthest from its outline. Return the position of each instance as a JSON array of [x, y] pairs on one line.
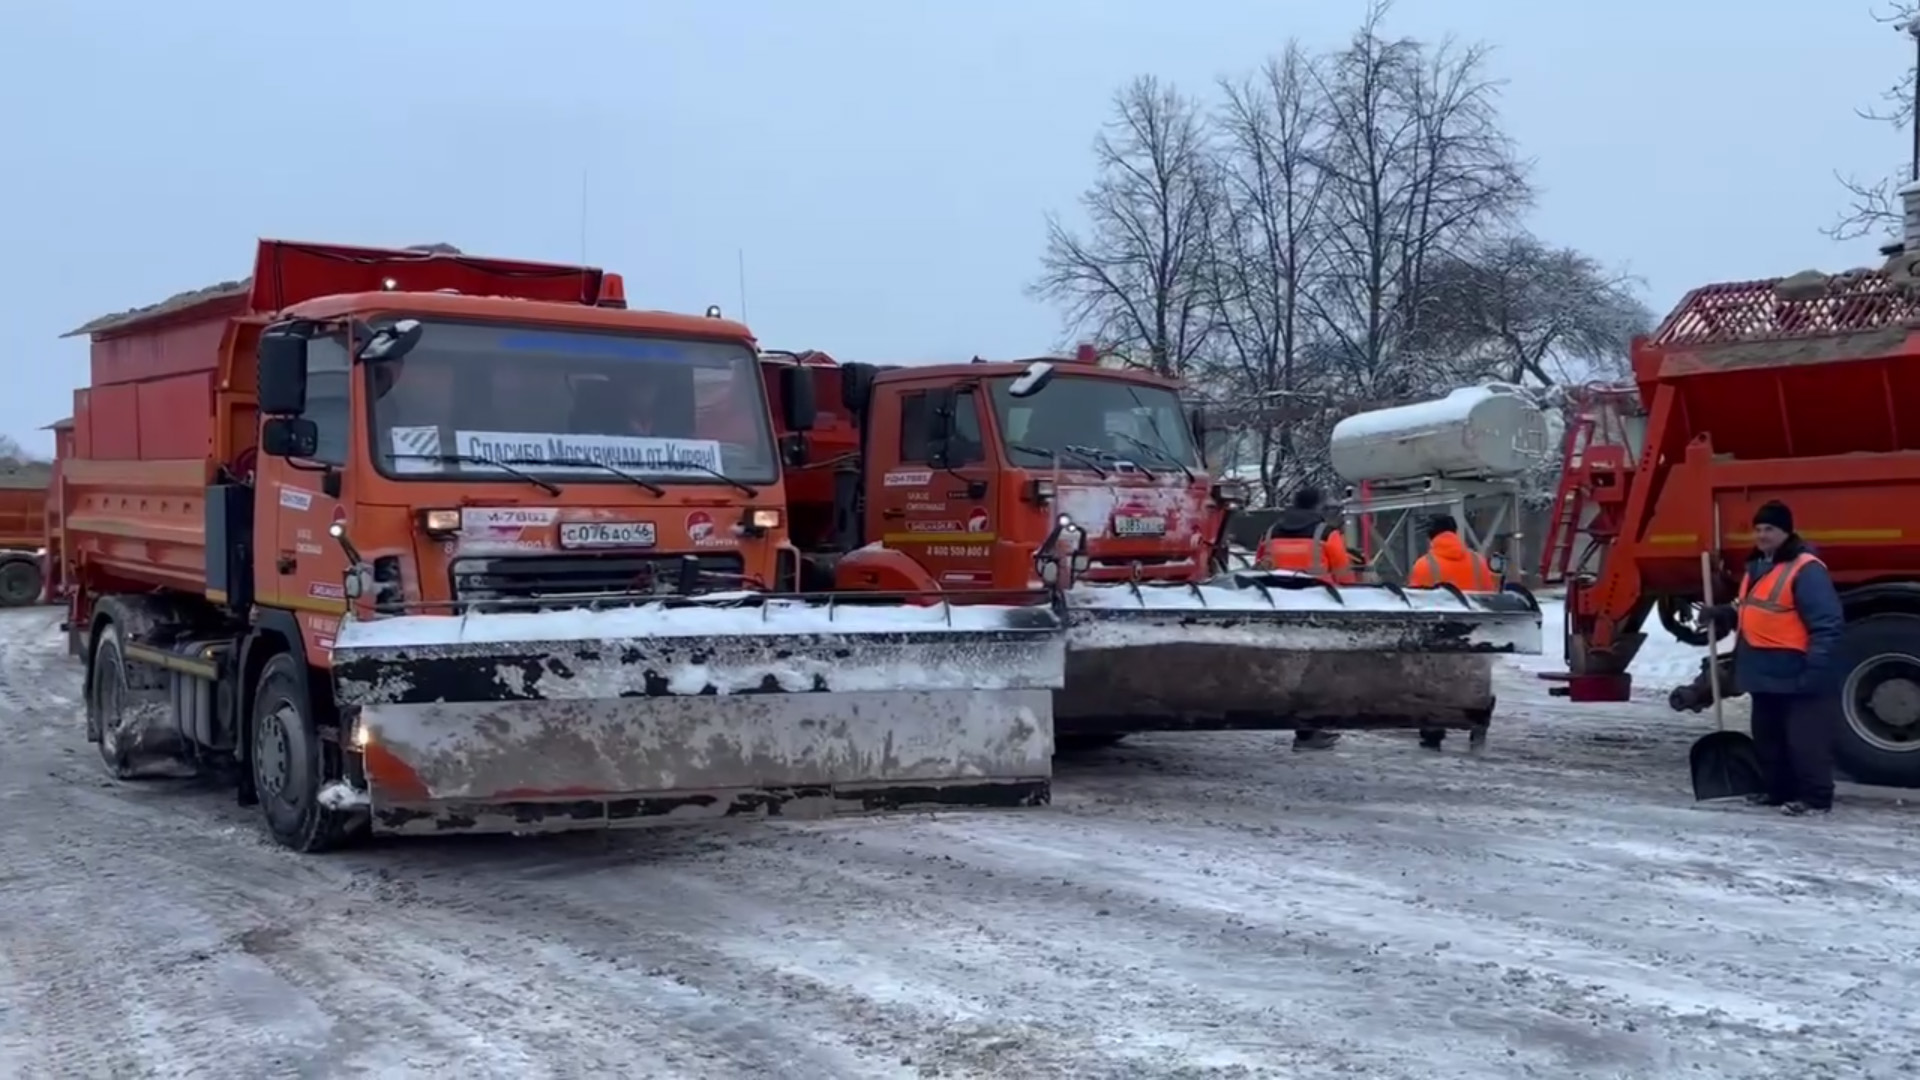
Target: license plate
[[592, 534], [1139, 526]]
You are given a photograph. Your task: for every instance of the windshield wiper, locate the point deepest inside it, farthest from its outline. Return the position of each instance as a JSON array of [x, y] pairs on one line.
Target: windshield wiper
[[1098, 454], [1157, 451], [751, 492], [476, 459], [623, 474], [1054, 456]]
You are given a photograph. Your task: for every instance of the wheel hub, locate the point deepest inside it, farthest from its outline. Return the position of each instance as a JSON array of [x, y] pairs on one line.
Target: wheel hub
[[271, 753], [1882, 702]]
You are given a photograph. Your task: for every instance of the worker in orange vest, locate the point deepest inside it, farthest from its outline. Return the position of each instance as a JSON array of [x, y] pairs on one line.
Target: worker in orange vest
[[1303, 538], [1448, 562], [1789, 618]]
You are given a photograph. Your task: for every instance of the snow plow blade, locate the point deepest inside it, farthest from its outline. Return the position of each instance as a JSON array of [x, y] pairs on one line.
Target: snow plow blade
[[791, 705], [1262, 650]]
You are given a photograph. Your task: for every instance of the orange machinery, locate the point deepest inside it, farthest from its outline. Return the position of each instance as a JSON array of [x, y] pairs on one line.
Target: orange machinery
[[965, 478], [23, 536], [422, 541], [1749, 392]]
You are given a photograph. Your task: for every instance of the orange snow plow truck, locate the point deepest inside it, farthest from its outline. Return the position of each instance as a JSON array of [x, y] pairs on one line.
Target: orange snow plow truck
[[424, 542], [983, 477]]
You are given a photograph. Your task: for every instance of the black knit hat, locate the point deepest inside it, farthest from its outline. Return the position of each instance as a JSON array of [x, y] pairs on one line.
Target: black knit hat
[[1441, 523], [1308, 498], [1776, 514]]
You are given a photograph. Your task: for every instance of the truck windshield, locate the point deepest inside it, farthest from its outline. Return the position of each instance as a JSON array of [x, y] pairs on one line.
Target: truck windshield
[[555, 402], [1104, 418]]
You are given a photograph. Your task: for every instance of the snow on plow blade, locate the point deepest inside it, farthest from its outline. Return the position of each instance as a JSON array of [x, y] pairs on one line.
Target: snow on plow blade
[[1275, 650], [520, 722]]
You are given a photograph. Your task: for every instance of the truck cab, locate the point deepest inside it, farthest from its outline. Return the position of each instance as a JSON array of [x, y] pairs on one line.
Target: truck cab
[[955, 476]]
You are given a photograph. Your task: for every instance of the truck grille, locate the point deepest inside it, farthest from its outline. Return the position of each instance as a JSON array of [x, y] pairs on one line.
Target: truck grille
[[566, 579]]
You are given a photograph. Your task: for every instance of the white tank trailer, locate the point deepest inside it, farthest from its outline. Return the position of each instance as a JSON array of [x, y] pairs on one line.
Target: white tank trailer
[[1479, 432]]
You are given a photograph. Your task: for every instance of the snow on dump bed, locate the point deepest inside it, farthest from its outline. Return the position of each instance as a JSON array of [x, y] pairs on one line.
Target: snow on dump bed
[[1316, 598], [723, 617]]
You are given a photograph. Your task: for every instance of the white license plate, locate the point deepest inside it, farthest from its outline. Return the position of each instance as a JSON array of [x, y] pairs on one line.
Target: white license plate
[[1139, 526], [592, 534]]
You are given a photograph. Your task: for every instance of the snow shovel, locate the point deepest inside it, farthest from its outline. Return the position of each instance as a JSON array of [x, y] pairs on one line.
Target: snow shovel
[[1725, 764]]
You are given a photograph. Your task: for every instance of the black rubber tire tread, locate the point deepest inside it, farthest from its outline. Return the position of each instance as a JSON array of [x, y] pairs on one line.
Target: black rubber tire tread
[[20, 583], [302, 825]]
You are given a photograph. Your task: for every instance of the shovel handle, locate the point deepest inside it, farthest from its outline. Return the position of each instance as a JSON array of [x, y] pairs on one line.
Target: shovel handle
[[1713, 639]]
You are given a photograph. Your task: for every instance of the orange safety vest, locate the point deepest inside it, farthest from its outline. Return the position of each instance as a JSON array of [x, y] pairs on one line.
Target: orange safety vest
[[1306, 554], [1768, 618], [1480, 575]]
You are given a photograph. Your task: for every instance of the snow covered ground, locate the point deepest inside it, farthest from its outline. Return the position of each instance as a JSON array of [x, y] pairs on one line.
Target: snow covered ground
[[1191, 906]]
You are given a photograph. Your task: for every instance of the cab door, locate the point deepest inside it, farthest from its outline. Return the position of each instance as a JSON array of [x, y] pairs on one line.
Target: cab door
[[297, 565], [936, 491]]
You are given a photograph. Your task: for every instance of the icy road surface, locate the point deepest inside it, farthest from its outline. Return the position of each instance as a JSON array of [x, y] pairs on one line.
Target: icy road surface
[[1193, 906]]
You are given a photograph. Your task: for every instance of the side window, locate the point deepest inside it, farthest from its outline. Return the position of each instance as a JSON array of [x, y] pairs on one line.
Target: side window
[[913, 426], [328, 371], [966, 448]]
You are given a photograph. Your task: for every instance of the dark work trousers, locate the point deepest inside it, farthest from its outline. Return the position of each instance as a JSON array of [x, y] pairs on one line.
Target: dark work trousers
[[1793, 736]]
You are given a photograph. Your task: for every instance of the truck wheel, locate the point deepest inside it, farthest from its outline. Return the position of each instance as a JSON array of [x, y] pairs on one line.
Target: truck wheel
[[1879, 738], [288, 761], [20, 583], [124, 705]]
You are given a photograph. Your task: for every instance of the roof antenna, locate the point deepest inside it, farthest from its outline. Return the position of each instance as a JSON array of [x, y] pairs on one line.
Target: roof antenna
[[740, 259], [583, 215]]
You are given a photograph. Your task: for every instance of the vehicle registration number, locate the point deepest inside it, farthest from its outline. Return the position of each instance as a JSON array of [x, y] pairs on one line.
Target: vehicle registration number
[[594, 534], [1139, 526]]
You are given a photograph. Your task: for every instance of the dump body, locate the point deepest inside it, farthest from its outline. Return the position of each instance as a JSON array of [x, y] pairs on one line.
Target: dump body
[[464, 545], [984, 476], [1808, 392]]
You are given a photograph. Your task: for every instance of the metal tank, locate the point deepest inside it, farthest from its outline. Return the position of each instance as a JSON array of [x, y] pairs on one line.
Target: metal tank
[[1476, 431]]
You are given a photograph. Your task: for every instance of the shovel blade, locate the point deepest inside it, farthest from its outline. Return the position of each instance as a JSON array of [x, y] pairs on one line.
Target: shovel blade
[[1725, 765]]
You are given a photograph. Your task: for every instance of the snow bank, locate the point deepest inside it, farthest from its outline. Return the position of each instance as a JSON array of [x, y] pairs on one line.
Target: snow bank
[[722, 616]]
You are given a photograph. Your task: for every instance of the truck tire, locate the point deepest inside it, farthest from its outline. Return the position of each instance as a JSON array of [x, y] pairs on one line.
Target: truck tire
[[288, 761], [1879, 664], [20, 583], [116, 691]]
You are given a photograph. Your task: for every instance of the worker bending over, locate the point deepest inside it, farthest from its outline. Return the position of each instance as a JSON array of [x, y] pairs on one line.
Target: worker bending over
[[1304, 539], [1789, 618], [1448, 562]]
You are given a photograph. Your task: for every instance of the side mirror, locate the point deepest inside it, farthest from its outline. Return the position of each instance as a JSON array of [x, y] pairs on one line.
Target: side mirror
[[940, 406], [799, 398], [793, 450], [283, 374], [1197, 427], [856, 385], [289, 437], [1031, 381]]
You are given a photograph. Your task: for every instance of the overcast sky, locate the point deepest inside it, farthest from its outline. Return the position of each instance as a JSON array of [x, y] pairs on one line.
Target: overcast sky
[[884, 166]]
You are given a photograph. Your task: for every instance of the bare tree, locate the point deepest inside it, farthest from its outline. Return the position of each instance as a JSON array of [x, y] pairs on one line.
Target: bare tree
[[1418, 168], [1873, 206], [1517, 310], [1268, 252], [1134, 278]]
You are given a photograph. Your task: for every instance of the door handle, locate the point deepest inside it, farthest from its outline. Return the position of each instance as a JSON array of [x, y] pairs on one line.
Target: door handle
[[285, 563], [893, 513]]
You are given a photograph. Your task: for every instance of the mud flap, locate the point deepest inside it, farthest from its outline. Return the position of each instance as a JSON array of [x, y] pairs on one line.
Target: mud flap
[[585, 719], [1267, 650], [1725, 765]]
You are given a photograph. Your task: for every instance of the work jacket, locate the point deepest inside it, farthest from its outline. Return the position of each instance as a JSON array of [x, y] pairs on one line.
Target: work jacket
[[1448, 562], [1789, 617], [1301, 540]]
